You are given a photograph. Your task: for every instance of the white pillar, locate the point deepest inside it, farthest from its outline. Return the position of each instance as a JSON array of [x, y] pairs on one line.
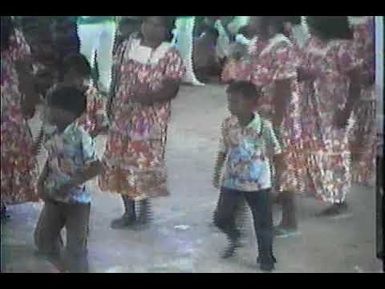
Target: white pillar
[[184, 42], [379, 28]]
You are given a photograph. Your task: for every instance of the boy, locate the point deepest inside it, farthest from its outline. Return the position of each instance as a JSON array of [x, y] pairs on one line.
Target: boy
[[76, 72], [246, 143], [71, 162]]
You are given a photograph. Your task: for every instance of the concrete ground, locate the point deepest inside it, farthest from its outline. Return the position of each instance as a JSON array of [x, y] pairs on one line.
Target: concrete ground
[[325, 245]]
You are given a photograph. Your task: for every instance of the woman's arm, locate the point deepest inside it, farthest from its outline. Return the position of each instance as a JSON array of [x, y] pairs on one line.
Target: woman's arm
[[342, 117], [167, 92], [282, 94]]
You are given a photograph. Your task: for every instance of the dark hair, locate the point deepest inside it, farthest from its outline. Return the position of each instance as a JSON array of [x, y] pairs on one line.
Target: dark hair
[[69, 99], [295, 20], [330, 27], [7, 30], [247, 89], [244, 30], [130, 20], [277, 22], [211, 31], [79, 63], [169, 24]]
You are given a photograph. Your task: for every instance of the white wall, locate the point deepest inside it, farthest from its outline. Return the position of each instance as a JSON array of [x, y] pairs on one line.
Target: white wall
[[380, 71]]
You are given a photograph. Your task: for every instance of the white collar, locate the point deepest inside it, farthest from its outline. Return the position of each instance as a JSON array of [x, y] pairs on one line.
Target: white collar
[[147, 55]]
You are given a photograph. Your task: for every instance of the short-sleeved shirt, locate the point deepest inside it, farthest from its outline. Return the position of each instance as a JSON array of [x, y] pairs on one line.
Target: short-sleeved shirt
[[69, 153], [247, 152]]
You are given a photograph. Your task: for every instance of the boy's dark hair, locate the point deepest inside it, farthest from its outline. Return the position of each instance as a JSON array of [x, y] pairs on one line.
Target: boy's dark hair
[[79, 63], [69, 99], [247, 89], [330, 27]]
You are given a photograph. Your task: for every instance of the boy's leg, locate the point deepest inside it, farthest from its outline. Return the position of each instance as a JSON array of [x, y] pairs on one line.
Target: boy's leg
[[47, 232], [224, 218], [77, 222], [260, 204]]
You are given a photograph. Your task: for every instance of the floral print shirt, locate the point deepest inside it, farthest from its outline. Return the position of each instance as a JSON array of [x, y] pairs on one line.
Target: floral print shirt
[[69, 153], [247, 150]]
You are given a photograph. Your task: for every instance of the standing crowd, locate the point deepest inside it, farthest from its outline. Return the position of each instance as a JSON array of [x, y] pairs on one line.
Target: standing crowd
[[300, 93]]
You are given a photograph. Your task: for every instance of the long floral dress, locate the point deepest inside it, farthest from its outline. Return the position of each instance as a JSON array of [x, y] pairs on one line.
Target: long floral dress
[[267, 62], [18, 163], [326, 147], [363, 136], [134, 157]]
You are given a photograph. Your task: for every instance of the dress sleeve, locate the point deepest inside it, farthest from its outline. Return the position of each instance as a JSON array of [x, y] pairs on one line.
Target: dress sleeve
[[347, 58], [175, 68], [284, 63], [97, 113]]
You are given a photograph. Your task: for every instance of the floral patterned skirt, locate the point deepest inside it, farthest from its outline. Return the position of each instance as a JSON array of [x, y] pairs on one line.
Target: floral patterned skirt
[[135, 168], [328, 173], [18, 164], [291, 177]]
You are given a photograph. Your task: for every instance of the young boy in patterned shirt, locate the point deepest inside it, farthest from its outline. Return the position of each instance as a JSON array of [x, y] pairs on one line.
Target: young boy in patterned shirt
[[247, 143], [71, 163]]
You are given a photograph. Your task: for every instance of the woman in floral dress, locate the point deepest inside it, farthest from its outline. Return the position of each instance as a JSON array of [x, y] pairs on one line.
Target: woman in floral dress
[[150, 72], [331, 69], [271, 65], [363, 137], [18, 164]]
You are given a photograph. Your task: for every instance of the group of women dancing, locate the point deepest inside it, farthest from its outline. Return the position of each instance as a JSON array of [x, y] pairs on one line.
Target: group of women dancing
[[316, 71]]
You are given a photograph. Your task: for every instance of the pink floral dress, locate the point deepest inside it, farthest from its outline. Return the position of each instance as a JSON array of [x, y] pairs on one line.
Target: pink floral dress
[[18, 163], [363, 136], [134, 157], [272, 61], [327, 153]]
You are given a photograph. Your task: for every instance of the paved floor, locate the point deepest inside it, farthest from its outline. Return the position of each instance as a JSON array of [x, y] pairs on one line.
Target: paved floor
[[325, 245]]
